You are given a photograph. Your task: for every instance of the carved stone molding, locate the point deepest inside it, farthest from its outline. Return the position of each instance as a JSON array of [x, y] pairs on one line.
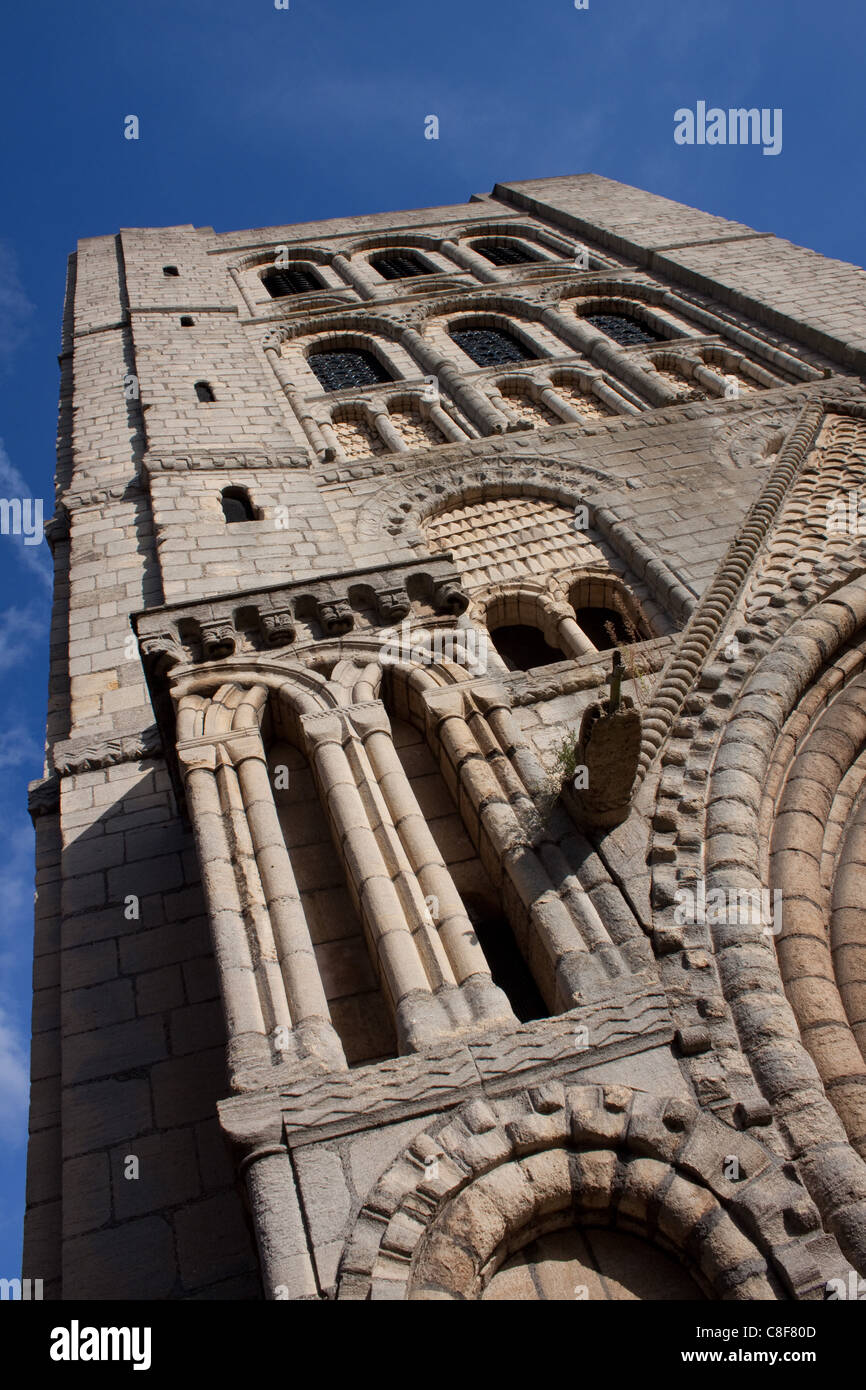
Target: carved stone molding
[[223, 460], [77, 755], [270, 618]]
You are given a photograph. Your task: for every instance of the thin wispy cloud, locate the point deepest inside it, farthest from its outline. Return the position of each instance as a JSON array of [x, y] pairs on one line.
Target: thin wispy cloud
[[14, 1083]]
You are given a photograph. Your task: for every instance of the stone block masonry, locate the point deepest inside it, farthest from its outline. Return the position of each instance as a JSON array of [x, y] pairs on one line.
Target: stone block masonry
[[335, 996]]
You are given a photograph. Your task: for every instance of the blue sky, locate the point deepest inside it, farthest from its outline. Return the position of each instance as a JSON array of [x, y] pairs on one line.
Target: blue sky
[[252, 116]]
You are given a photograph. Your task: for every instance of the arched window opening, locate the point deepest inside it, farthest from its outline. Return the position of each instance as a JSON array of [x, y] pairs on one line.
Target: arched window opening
[[186, 321], [204, 391], [507, 966], [488, 347], [584, 401], [612, 1265], [606, 627], [523, 647], [501, 253], [358, 1010], [628, 332], [339, 370], [504, 959], [676, 374], [294, 279], [170, 270], [357, 437], [236, 505], [413, 428], [524, 404], [398, 265]]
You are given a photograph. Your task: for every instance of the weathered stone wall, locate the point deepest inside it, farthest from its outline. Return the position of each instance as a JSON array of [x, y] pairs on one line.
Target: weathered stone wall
[[143, 975]]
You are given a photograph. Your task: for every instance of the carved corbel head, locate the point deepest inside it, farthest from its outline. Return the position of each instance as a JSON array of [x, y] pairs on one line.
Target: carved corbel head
[[336, 616], [448, 596], [394, 604], [218, 638], [278, 626]]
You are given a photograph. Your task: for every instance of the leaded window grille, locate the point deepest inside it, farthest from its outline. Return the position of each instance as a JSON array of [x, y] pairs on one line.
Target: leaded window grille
[[625, 331], [503, 253], [295, 279], [336, 371], [398, 265], [488, 347]]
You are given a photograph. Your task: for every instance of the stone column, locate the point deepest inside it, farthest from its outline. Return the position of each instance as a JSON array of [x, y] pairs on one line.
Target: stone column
[[359, 276], [310, 1014], [386, 431], [248, 1046], [442, 420], [601, 349], [325, 449], [545, 925], [456, 931], [474, 402], [243, 291], [470, 260]]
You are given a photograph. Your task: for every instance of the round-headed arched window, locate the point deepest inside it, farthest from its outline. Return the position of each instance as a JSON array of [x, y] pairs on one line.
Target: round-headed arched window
[[340, 369], [626, 331], [488, 347], [501, 253], [236, 505], [398, 265], [297, 278], [204, 391]]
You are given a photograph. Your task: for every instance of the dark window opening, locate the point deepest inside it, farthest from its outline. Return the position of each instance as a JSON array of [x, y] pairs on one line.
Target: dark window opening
[[507, 966], [522, 647], [398, 265], [338, 370], [594, 623], [625, 331], [186, 321], [236, 505], [294, 280], [170, 270], [505, 253], [488, 347], [204, 392]]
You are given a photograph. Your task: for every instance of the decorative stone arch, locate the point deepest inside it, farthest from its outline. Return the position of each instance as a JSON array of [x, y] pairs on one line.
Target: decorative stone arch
[[542, 237], [601, 589], [793, 677], [401, 506], [511, 325], [655, 317], [593, 394], [728, 361], [479, 1183]]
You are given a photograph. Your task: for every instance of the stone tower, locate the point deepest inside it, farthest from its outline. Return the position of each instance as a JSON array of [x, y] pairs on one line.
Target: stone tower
[[451, 848]]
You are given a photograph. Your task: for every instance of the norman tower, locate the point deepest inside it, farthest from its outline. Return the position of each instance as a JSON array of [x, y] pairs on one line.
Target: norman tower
[[451, 844]]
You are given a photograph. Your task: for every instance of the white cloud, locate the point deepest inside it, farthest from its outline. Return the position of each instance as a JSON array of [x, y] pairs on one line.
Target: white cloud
[[18, 747], [14, 1083], [21, 629]]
